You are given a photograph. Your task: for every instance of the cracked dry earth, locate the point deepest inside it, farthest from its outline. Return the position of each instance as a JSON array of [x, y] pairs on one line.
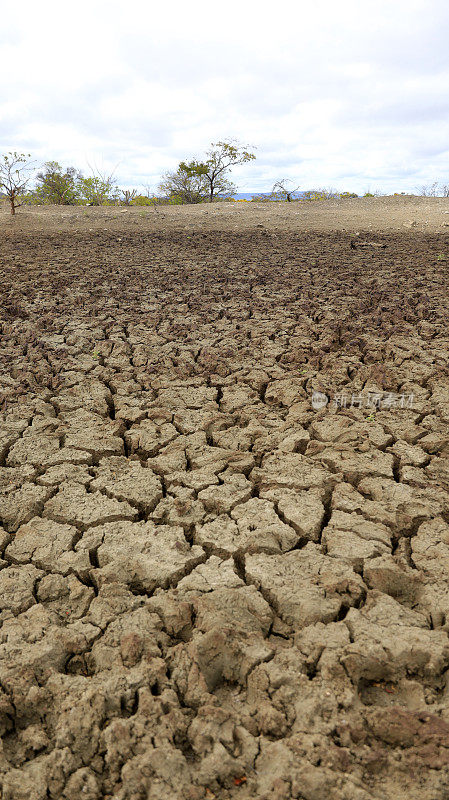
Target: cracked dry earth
[[207, 588]]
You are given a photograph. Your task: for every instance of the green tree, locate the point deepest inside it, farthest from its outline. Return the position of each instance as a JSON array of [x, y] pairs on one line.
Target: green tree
[[221, 158], [56, 186], [15, 174], [196, 181], [186, 185], [98, 189]]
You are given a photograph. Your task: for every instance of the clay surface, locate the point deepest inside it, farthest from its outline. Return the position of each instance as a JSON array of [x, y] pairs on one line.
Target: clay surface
[[210, 587]]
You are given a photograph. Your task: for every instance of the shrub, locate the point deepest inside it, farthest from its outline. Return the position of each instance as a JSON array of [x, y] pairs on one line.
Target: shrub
[[144, 200], [315, 194]]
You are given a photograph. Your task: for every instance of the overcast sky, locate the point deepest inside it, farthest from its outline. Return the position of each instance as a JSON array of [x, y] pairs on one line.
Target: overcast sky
[[350, 94]]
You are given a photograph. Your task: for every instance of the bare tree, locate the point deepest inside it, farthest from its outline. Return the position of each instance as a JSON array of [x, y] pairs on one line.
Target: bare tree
[[128, 196], [429, 191], [15, 174], [282, 191]]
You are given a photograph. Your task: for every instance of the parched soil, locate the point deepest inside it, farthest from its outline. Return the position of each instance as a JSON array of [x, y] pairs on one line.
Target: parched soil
[[209, 586]]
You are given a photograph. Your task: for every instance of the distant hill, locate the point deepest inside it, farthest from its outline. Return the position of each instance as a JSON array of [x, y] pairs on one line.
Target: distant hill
[[249, 195]]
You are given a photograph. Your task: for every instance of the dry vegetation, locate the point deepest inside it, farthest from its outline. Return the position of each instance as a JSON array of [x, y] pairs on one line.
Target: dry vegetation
[[208, 588]]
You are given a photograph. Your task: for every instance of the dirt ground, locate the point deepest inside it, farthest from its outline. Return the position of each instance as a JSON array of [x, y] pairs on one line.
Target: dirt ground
[[224, 505], [426, 214]]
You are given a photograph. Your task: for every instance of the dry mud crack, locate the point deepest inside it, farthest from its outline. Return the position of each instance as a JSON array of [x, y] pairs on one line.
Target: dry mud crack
[[208, 589]]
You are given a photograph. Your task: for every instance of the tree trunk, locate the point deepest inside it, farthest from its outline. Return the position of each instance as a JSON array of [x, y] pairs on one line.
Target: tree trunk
[[13, 207]]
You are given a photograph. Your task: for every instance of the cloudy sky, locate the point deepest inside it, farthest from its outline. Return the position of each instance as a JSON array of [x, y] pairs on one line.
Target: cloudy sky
[[347, 94]]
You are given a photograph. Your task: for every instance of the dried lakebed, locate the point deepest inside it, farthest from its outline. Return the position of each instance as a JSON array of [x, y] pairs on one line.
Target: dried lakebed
[[208, 588]]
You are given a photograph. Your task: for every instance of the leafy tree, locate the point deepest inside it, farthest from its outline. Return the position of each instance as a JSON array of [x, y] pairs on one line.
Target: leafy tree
[[221, 158], [98, 189], [196, 181], [15, 174], [56, 186], [186, 185]]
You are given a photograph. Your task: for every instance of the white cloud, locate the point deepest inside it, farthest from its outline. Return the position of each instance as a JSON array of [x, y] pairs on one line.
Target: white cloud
[[341, 94]]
